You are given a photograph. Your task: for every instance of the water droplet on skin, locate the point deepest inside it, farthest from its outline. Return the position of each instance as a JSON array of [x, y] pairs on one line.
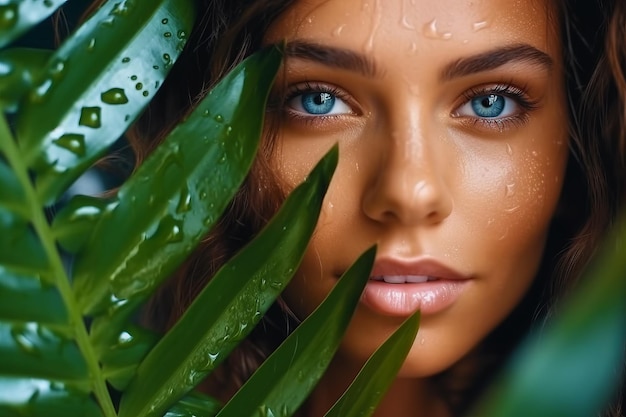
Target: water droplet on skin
[[480, 25], [512, 209], [114, 96], [510, 190], [430, 31], [338, 30], [8, 16], [126, 60], [90, 117], [377, 15], [504, 235], [404, 21], [72, 142], [509, 150]]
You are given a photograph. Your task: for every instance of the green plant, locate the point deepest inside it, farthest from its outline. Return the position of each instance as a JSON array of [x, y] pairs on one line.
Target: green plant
[[67, 344]]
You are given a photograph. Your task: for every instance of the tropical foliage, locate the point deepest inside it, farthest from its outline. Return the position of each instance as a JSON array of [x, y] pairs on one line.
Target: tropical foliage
[[70, 287]]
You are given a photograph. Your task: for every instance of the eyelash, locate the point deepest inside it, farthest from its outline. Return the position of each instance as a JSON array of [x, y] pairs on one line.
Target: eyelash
[[508, 90]]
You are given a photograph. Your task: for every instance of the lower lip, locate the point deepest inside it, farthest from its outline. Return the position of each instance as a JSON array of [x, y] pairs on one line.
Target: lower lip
[[404, 299]]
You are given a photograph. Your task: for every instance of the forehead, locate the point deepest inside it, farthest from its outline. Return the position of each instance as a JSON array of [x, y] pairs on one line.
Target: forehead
[[419, 26]]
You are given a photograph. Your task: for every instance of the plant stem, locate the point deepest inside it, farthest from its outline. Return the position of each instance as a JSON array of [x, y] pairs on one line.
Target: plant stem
[[42, 228]]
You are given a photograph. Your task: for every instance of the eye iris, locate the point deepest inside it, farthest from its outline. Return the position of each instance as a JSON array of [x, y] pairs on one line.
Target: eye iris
[[318, 102], [490, 105]]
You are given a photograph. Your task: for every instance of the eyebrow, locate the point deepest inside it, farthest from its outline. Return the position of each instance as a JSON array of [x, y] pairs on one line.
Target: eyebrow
[[518, 53], [332, 56]]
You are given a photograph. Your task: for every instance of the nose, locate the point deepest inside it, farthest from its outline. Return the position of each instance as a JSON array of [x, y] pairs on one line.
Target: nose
[[408, 187]]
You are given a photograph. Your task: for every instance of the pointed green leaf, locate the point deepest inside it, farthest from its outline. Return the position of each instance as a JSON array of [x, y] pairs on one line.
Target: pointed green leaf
[[73, 225], [285, 379], [96, 84], [12, 197], [233, 301], [19, 247], [179, 192], [571, 368], [19, 68], [376, 376], [17, 16]]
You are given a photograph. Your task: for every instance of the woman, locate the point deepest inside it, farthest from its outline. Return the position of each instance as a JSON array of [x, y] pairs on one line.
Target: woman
[[466, 133]]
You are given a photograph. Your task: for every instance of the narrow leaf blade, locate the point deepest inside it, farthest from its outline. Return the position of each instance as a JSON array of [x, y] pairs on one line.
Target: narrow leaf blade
[[235, 299], [374, 379], [286, 378], [20, 15]]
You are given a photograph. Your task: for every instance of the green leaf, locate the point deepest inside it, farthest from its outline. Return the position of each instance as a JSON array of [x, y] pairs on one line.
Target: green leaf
[[233, 301], [195, 405], [19, 68], [44, 397], [96, 84], [570, 368], [380, 370], [286, 378], [17, 16], [179, 192]]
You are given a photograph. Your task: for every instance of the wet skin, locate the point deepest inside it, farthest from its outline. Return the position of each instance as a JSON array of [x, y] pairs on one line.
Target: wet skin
[[450, 119]]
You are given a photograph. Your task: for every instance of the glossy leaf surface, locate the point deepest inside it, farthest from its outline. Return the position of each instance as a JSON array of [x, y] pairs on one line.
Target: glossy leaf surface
[[96, 84], [179, 192], [20, 68], [17, 16], [369, 386], [571, 368], [233, 301], [286, 378]]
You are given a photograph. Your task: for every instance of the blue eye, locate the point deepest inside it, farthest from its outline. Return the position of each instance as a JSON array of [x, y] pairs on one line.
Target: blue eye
[[489, 106], [318, 103]]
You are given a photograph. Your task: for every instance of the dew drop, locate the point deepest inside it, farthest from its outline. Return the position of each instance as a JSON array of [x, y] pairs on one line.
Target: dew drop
[[91, 45], [167, 34], [90, 117], [164, 21], [170, 230], [206, 113], [57, 69], [73, 142], [8, 16], [114, 96], [133, 78], [156, 67], [509, 150], [219, 118], [42, 90], [512, 210], [138, 86], [430, 31], [145, 93], [108, 21], [25, 337], [48, 3], [125, 338], [126, 60], [184, 201], [181, 34]]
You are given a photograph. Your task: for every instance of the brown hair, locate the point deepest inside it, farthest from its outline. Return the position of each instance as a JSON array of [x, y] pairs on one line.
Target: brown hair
[[594, 48]]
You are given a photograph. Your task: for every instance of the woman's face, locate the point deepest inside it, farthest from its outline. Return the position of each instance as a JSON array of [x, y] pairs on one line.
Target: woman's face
[[451, 123]]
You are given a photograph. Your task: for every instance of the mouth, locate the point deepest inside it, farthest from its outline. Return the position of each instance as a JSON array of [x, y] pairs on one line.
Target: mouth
[[400, 287]]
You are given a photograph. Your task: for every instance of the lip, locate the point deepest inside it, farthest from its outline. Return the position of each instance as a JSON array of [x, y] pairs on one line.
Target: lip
[[444, 286]]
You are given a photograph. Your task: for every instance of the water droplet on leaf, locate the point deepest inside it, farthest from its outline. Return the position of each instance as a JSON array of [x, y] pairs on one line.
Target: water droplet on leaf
[[90, 117], [8, 16], [73, 142], [114, 96]]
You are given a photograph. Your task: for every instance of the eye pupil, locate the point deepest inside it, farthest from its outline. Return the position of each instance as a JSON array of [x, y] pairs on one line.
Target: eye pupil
[[491, 105], [318, 102]]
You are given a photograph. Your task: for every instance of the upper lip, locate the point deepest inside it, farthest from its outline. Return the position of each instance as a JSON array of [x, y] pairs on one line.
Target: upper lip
[[429, 267]]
